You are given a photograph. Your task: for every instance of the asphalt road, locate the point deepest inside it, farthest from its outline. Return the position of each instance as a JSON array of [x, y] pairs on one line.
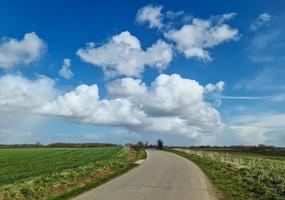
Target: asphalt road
[[162, 176]]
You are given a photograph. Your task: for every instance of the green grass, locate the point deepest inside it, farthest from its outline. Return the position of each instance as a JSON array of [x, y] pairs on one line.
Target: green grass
[[241, 176], [59, 173], [142, 154]]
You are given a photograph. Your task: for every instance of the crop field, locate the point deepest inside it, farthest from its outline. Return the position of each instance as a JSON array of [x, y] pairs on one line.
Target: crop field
[[58, 173], [241, 176]]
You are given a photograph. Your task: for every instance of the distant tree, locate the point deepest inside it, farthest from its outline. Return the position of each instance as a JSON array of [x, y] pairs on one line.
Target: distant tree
[[140, 144], [159, 144], [146, 145]]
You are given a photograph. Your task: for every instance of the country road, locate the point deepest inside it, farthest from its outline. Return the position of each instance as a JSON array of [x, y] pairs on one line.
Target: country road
[[162, 176]]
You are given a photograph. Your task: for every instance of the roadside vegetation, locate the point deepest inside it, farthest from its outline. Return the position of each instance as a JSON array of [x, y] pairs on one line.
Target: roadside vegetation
[[241, 175], [59, 173]]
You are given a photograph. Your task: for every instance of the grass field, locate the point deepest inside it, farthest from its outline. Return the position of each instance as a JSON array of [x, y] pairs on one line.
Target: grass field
[[58, 173], [241, 176]]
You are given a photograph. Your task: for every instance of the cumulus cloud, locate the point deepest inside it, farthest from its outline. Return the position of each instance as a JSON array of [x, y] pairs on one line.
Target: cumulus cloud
[[151, 15], [171, 105], [83, 104], [213, 93], [65, 71], [262, 20], [195, 38], [123, 55], [15, 52], [218, 87], [126, 87], [20, 93]]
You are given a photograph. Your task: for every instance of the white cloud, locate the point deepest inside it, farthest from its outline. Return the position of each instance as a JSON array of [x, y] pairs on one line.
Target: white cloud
[[262, 20], [14, 52], [228, 16], [213, 93], [20, 93], [83, 104], [171, 105], [196, 35], [126, 87], [196, 38], [65, 71], [218, 87], [152, 15], [247, 97], [123, 55]]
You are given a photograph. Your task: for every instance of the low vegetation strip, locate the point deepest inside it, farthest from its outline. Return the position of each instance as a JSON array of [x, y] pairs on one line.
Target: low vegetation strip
[[59, 173], [241, 175]]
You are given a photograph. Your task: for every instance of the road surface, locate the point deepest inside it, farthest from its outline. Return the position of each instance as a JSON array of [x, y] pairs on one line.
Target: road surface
[[162, 176]]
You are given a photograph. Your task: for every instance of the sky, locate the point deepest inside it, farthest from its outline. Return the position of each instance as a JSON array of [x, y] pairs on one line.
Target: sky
[[188, 72]]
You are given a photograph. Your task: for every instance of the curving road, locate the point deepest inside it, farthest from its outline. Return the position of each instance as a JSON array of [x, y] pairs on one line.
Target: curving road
[[162, 176]]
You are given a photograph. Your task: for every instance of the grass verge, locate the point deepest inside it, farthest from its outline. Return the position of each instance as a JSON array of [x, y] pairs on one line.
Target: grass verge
[[93, 184], [241, 176]]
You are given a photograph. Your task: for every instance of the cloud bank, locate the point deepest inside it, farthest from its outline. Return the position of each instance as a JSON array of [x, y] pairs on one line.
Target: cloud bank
[[170, 105]]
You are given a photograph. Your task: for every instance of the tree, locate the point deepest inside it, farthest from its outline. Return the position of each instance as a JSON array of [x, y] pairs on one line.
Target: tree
[[160, 144], [140, 145], [38, 144], [146, 145]]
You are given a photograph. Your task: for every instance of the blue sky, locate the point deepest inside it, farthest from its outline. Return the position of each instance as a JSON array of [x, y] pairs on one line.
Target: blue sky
[[189, 72]]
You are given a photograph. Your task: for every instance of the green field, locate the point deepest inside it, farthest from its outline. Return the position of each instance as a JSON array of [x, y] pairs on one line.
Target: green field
[[241, 176], [58, 173]]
